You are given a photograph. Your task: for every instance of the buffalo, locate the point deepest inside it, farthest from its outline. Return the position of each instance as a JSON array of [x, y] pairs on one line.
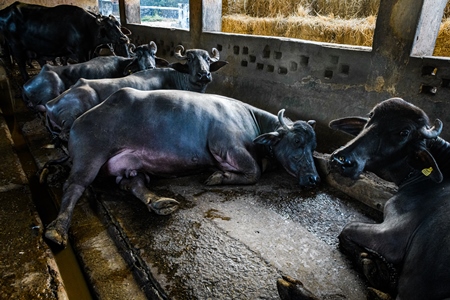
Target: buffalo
[[60, 31], [194, 75], [407, 255], [54, 80], [136, 134]]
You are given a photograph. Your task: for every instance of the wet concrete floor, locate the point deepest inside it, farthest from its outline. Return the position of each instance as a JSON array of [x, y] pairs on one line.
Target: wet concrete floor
[[227, 242]]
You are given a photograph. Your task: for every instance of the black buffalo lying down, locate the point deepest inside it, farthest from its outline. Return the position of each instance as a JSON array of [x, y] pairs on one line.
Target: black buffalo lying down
[[408, 254], [52, 81], [194, 75], [134, 134]]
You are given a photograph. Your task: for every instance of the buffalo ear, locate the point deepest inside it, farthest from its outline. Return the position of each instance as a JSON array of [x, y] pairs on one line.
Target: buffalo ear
[[269, 139], [350, 125], [125, 30], [217, 65], [425, 162], [183, 68], [161, 62]]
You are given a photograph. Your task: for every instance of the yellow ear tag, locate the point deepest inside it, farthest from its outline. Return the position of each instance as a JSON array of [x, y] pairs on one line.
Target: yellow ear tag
[[428, 171]]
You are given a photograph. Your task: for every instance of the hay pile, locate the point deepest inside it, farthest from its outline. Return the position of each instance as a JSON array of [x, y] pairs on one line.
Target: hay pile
[[320, 29], [345, 9], [334, 21], [442, 47]]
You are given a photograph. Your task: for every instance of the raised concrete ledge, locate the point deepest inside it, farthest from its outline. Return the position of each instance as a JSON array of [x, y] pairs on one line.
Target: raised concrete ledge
[[27, 266]]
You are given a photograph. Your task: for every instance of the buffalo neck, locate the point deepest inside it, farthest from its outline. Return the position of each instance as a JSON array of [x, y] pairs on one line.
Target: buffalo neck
[[440, 150], [266, 121], [182, 81]]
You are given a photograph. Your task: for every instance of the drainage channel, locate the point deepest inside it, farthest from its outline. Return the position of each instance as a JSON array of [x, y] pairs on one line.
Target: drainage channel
[[74, 280]]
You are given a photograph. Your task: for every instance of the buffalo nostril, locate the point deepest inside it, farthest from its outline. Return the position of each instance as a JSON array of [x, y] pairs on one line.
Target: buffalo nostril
[[309, 180], [204, 75], [314, 179]]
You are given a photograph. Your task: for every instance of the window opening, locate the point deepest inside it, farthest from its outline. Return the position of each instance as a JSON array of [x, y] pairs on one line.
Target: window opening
[[109, 7], [165, 13], [333, 21], [442, 46]]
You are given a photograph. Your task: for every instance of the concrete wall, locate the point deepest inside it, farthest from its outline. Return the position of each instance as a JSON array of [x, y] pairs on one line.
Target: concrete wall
[[316, 80], [324, 81]]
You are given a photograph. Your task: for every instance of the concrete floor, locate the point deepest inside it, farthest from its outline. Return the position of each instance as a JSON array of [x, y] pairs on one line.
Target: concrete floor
[[230, 242]]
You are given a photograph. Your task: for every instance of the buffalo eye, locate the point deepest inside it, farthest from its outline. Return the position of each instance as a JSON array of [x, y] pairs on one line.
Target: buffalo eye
[[371, 115], [404, 133]]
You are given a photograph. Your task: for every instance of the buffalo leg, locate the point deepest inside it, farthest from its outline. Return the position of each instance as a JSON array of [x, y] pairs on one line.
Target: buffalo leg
[[79, 178], [57, 231], [378, 271], [21, 59], [237, 167], [159, 205]]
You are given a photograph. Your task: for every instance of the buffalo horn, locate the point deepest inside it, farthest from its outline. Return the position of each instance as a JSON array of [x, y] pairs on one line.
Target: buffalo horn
[[153, 47], [131, 47], [215, 54], [281, 119], [178, 50], [433, 132]]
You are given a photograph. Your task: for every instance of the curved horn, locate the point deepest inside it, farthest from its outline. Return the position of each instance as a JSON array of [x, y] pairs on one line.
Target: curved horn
[[216, 55], [281, 119], [131, 47], [178, 52], [433, 132], [153, 46]]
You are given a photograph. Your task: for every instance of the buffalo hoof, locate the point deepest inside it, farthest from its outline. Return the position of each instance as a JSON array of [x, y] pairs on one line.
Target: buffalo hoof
[[292, 289], [380, 273], [373, 294], [55, 235], [164, 206], [215, 179]]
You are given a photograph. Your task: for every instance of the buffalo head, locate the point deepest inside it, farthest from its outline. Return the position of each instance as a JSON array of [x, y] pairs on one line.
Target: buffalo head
[[292, 145], [391, 142], [111, 31], [199, 64], [144, 58]]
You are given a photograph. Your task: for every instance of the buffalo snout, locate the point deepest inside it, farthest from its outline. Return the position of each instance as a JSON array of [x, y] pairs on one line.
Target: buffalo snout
[[204, 76], [341, 161], [309, 180], [345, 164]]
